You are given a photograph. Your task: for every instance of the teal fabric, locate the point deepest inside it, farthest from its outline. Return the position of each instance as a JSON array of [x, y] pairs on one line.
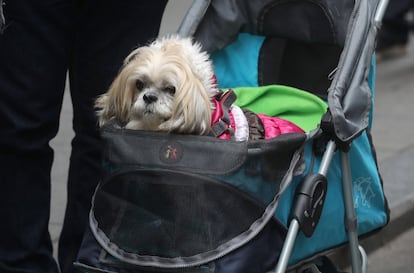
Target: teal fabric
[[243, 68], [368, 198], [236, 66]]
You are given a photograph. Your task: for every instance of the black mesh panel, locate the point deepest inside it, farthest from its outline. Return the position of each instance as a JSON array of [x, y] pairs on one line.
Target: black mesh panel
[[168, 214]]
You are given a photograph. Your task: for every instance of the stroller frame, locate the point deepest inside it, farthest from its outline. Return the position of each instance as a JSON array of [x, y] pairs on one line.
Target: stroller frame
[[357, 252]]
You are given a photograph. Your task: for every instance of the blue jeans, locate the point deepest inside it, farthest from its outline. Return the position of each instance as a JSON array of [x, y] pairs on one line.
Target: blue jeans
[[41, 42]]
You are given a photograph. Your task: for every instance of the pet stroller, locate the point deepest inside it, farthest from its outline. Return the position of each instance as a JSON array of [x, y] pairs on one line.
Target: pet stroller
[[185, 203]]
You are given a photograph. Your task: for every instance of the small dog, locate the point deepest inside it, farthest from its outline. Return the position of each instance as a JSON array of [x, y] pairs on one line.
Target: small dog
[[165, 86], [170, 86]]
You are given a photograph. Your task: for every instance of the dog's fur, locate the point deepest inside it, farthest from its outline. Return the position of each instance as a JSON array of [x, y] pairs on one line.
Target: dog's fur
[[165, 86]]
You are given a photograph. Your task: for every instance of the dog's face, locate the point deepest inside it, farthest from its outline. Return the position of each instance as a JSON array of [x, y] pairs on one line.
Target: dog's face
[[166, 86]]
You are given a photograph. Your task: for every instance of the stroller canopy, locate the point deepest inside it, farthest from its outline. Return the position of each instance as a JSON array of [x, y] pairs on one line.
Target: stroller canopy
[[343, 23]]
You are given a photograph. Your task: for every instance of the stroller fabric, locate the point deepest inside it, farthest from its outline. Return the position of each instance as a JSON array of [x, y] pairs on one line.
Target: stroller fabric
[[176, 201], [229, 121], [310, 21], [370, 203], [254, 60], [371, 206], [343, 28], [302, 108]]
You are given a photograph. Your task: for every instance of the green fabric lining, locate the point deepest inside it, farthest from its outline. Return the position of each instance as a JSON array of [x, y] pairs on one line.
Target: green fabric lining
[[300, 107]]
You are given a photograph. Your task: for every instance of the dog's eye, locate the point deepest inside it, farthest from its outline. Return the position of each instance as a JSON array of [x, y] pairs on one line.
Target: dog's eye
[[170, 89], [139, 84]]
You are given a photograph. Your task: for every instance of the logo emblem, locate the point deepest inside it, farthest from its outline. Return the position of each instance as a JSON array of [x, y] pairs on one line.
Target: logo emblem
[[171, 152], [363, 192]]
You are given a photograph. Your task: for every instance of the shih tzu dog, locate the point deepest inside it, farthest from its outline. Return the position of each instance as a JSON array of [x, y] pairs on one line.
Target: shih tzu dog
[[165, 86], [170, 86]]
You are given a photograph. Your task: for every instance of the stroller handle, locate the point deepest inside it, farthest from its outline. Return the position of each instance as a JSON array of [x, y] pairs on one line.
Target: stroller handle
[[379, 13], [193, 17]]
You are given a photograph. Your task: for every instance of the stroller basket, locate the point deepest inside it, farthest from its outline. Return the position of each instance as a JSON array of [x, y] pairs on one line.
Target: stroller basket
[[178, 201]]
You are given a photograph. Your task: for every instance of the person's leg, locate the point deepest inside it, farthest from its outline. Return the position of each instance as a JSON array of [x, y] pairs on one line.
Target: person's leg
[[33, 64], [107, 33], [396, 12], [394, 33]]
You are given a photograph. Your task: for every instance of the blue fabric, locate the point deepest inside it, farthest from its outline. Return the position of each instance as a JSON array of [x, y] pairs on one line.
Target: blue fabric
[[243, 70], [367, 189], [368, 198]]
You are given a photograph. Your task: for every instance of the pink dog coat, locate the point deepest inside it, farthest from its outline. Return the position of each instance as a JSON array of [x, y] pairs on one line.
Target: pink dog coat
[[231, 122]]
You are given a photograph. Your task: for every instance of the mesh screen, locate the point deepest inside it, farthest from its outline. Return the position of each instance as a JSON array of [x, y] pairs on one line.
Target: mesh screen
[[170, 214]]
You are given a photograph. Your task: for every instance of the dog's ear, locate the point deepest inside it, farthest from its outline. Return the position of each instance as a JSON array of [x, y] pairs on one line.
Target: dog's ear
[[104, 111], [114, 105], [202, 110], [192, 109], [192, 106], [133, 55]]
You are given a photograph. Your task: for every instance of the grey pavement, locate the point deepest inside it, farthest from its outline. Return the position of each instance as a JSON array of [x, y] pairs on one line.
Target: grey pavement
[[390, 250]]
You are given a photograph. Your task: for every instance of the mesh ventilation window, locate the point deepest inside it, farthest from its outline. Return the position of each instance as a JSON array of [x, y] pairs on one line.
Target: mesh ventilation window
[[167, 214]]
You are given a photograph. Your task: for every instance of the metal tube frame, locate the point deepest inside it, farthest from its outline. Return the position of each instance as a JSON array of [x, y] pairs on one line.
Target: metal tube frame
[[380, 11], [358, 256], [294, 224], [287, 247]]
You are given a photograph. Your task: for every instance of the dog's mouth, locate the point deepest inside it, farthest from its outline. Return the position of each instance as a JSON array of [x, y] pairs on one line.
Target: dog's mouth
[[148, 112]]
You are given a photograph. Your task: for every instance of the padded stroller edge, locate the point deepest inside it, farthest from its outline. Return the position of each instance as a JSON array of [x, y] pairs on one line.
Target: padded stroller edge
[[155, 185]]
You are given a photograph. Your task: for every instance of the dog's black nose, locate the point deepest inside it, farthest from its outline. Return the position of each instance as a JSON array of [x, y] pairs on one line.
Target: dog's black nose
[[150, 98]]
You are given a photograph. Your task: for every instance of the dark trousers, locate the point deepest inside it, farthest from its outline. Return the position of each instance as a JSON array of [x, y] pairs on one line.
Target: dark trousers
[[41, 42], [395, 28]]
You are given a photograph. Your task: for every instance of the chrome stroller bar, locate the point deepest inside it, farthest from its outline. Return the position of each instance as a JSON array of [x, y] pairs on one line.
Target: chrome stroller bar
[[2, 19], [357, 253], [358, 256], [327, 158], [294, 226], [287, 247], [379, 13]]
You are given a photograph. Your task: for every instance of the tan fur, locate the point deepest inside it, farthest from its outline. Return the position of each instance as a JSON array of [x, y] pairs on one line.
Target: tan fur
[[171, 61]]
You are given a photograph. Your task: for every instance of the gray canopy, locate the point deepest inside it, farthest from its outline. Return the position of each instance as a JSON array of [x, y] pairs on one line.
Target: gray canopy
[[348, 24]]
